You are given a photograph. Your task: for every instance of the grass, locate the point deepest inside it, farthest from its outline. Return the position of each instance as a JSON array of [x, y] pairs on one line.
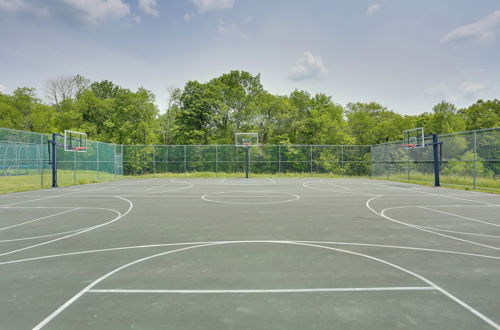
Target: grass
[[10, 184], [18, 183]]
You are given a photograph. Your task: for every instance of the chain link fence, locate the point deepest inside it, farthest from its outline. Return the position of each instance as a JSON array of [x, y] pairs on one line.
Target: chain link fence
[[468, 159], [24, 161], [345, 160]]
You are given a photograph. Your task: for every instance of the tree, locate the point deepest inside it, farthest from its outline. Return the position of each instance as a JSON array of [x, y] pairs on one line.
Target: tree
[[63, 88], [482, 114], [445, 119], [195, 122]]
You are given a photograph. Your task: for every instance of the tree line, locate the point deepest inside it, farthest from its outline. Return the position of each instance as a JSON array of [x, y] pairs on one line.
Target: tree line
[[212, 112]]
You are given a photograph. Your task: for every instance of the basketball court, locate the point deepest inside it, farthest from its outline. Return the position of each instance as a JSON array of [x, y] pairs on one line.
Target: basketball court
[[258, 253]]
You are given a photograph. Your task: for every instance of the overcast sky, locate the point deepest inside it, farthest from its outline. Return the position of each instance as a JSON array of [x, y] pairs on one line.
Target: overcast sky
[[406, 55]]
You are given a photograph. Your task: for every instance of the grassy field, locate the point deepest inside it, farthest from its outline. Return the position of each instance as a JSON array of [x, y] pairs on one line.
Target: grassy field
[[10, 184]]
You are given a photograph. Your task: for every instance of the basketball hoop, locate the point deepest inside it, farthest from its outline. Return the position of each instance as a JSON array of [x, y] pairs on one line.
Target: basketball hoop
[[247, 144], [409, 146], [80, 149]]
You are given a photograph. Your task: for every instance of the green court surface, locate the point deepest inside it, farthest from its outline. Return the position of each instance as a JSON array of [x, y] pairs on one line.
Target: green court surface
[[261, 253]]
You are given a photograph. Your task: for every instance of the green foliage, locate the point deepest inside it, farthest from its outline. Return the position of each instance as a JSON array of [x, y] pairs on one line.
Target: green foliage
[[212, 112], [482, 114]]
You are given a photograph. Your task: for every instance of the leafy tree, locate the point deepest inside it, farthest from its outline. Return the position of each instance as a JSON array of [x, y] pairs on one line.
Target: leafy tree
[[482, 114], [196, 120], [445, 119]]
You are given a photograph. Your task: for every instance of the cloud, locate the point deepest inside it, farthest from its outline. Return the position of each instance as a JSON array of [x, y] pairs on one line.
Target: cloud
[[209, 5], [203, 6], [90, 11], [465, 91], [372, 9], [2, 88], [23, 6], [486, 28], [308, 66], [470, 89], [148, 7], [231, 29], [98, 11]]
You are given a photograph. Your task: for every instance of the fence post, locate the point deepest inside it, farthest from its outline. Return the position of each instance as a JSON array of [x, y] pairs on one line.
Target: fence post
[[342, 152], [475, 159], [216, 161], [185, 165], [74, 167], [97, 160], [408, 163], [40, 158], [154, 161], [279, 159], [311, 157]]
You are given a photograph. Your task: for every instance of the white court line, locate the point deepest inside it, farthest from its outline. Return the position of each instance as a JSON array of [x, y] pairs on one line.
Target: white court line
[[131, 205], [116, 270], [55, 234], [49, 197], [149, 246], [102, 278], [212, 197], [382, 214], [459, 232], [462, 217], [436, 194], [272, 180], [444, 230], [400, 288], [38, 219]]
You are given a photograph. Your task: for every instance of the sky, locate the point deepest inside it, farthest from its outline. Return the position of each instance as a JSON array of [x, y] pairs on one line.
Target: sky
[[406, 55]]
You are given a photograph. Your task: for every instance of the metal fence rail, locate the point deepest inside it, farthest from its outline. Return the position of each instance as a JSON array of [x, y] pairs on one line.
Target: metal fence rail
[[468, 159]]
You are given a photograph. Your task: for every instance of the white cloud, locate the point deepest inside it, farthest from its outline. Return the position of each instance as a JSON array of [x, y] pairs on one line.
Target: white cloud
[[97, 11], [372, 9], [308, 66], [2, 88], [468, 90], [203, 6], [188, 17], [148, 7], [231, 30], [209, 5], [485, 29], [20, 6]]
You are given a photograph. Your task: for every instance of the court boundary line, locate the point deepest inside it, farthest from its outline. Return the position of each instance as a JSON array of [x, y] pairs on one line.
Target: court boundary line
[[54, 234], [307, 290], [462, 217], [382, 214], [150, 246], [37, 219], [206, 198], [131, 205], [460, 302]]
